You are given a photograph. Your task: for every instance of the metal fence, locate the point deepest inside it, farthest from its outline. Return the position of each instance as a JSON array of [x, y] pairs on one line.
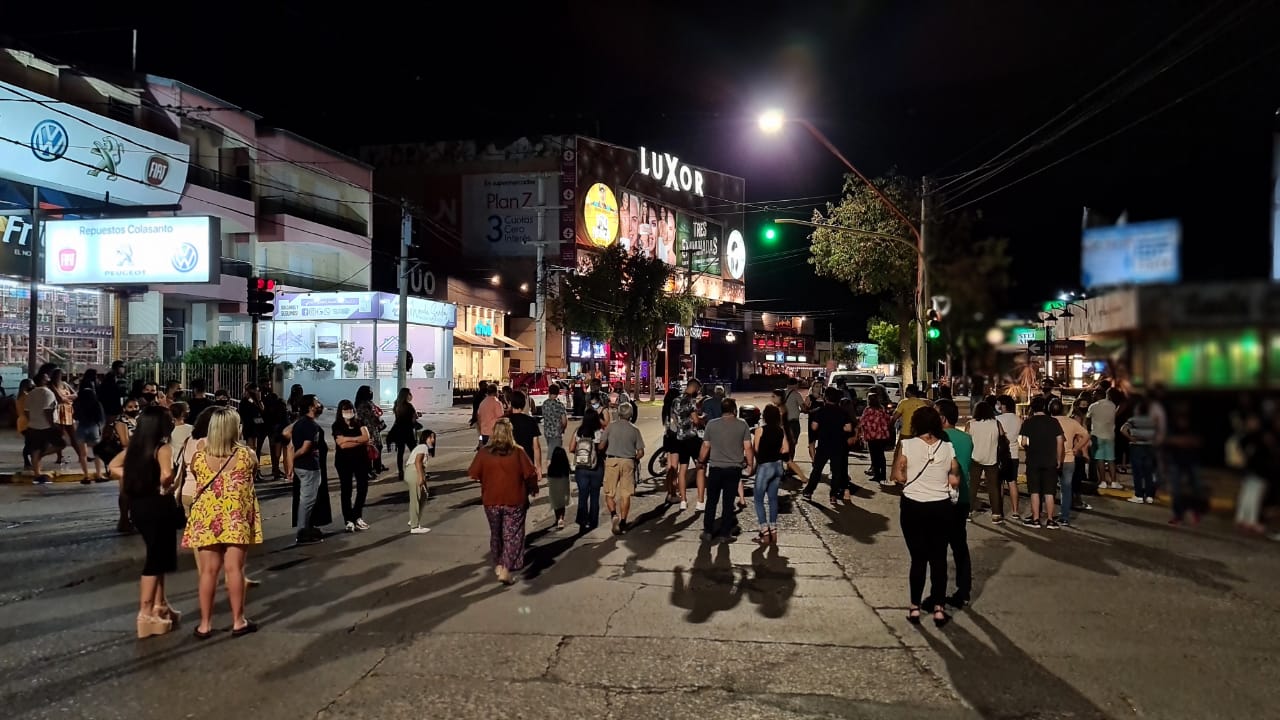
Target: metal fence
[[229, 377]]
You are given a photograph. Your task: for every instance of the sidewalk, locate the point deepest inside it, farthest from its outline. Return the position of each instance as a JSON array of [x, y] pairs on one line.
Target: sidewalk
[[448, 420]]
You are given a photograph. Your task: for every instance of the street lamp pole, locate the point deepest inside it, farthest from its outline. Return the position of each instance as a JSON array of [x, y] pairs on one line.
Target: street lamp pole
[[773, 121]]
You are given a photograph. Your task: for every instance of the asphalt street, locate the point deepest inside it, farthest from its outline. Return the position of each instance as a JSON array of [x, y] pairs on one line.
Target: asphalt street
[[1118, 617]]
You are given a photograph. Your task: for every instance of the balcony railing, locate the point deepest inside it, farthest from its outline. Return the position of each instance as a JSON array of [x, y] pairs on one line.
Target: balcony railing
[[278, 205], [223, 183]]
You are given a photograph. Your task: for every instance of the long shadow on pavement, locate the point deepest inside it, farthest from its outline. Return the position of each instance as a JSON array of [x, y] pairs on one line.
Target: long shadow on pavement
[[1106, 554], [854, 521], [772, 583], [710, 586], [1002, 681]]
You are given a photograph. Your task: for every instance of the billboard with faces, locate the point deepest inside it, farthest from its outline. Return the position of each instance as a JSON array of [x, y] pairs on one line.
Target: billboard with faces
[[658, 205]]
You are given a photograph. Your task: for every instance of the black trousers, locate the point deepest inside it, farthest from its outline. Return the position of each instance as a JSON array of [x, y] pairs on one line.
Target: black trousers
[[879, 467], [352, 476], [958, 539], [926, 528], [722, 490], [838, 456]]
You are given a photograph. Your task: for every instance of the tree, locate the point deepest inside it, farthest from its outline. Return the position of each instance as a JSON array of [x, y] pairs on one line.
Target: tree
[[623, 296], [872, 265], [973, 274], [849, 354], [885, 335]]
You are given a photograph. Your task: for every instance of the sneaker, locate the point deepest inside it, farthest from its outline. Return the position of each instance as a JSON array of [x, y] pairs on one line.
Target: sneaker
[[1150, 500], [706, 537], [701, 506], [1051, 525], [1030, 521], [1015, 517], [1116, 486], [1136, 500], [351, 527], [997, 520], [617, 525], [1064, 523], [419, 530], [684, 505], [361, 524]]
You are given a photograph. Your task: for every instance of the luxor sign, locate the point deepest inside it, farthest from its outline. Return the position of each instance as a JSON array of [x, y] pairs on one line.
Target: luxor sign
[[671, 172]]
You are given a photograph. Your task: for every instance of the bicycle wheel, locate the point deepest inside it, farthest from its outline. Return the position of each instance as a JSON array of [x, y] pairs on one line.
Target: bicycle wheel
[[658, 463]]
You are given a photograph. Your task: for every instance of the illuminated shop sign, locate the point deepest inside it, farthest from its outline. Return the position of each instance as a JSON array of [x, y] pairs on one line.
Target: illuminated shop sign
[[132, 251], [670, 171]]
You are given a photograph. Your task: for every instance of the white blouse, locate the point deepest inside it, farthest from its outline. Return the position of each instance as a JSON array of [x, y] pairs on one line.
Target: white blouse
[[927, 469]]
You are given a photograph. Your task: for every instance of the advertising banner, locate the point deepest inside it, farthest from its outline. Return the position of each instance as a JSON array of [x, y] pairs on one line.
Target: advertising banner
[[16, 234], [1133, 254], [362, 306], [64, 147], [499, 215], [132, 251]]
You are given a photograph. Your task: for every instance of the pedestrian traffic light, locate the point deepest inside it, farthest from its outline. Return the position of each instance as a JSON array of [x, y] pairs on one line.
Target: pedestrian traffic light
[[261, 296], [935, 321]]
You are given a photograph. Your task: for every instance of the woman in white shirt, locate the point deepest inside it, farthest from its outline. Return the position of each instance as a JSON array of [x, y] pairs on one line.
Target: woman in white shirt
[[985, 432], [415, 476], [927, 469]]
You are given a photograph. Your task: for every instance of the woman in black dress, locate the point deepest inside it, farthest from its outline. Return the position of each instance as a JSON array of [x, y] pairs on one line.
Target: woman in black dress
[[146, 466]]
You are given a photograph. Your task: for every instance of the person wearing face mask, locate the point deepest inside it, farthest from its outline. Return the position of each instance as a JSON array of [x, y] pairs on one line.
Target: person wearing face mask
[[352, 463], [601, 406]]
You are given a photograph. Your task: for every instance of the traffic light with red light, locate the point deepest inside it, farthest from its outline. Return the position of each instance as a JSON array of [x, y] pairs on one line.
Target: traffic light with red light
[[262, 296]]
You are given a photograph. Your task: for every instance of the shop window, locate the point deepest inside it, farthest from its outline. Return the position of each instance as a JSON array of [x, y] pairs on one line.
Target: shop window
[[1212, 361]]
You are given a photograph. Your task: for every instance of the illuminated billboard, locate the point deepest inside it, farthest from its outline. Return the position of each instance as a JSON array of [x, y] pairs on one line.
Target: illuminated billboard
[[132, 251]]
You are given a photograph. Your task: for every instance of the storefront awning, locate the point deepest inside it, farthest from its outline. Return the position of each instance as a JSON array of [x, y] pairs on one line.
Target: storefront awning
[[469, 339], [512, 343]]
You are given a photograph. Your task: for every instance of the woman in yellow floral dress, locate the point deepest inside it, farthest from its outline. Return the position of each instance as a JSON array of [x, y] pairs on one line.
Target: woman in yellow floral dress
[[224, 519]]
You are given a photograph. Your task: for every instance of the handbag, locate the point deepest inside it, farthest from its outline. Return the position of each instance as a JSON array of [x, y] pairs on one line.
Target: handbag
[[180, 516], [179, 478]]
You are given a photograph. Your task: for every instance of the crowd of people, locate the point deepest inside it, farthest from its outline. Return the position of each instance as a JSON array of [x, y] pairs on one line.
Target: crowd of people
[[188, 465]]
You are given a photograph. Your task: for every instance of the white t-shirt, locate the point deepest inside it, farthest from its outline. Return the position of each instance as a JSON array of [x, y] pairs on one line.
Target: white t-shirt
[[1102, 420], [411, 463], [986, 439], [927, 469], [1011, 424], [39, 400]]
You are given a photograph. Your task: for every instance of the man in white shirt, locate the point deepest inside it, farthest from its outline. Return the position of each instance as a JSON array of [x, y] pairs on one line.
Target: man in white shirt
[[1101, 419], [43, 435]]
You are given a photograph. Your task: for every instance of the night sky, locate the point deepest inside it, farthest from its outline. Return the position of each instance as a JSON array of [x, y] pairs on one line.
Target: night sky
[[931, 88]]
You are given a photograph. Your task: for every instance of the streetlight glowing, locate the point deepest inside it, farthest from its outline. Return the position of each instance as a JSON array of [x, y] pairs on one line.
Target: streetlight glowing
[[771, 121], [495, 280], [524, 287]]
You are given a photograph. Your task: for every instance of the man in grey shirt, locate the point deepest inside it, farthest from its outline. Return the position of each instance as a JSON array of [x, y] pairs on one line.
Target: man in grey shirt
[[623, 447], [726, 449]]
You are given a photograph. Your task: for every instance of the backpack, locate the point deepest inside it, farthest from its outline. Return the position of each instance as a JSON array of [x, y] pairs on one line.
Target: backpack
[[584, 452]]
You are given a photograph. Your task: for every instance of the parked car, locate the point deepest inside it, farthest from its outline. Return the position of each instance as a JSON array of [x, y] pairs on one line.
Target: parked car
[[857, 382], [893, 386]]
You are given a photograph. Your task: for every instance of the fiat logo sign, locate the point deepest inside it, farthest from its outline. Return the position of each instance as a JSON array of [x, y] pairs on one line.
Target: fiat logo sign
[[67, 259]]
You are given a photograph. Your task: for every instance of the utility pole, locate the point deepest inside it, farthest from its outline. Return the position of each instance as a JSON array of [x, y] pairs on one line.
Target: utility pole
[[406, 239], [540, 291], [922, 293], [831, 339], [33, 297]]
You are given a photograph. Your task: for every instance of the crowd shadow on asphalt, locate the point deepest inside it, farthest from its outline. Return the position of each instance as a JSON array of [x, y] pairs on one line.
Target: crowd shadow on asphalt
[[853, 521], [715, 585], [1000, 680], [1107, 555]]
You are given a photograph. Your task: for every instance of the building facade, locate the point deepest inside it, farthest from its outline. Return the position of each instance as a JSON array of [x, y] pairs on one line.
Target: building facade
[[483, 210], [278, 205]]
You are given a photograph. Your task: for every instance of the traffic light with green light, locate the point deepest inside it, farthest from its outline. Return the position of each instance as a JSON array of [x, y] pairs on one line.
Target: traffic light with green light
[[769, 235], [935, 321]]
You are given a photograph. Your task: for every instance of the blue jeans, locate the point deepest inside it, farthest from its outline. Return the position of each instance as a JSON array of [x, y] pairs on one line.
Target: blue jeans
[[768, 478], [1143, 459], [589, 483], [1064, 481]]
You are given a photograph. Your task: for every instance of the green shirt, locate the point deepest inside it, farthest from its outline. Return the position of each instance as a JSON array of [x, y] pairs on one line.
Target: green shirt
[[962, 443]]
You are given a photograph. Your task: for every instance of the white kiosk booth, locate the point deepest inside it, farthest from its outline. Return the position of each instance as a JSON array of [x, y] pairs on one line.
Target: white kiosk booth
[[358, 333]]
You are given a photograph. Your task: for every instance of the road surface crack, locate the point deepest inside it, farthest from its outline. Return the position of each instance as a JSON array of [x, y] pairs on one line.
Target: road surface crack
[[372, 668], [555, 656], [608, 623]]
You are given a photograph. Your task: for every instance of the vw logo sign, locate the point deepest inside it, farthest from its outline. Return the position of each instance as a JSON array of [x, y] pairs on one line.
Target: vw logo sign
[[185, 258], [735, 255], [49, 140]]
